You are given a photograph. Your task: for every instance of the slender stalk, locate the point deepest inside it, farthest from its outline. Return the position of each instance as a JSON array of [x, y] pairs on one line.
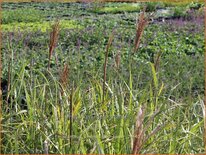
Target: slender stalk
[[105, 63], [157, 61], [140, 25], [46, 147], [9, 82], [53, 40], [139, 135], [64, 78], [205, 93], [117, 60], [71, 114], [9, 69]]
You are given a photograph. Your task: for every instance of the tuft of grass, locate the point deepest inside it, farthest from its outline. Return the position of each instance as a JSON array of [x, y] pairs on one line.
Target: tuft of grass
[[147, 109], [53, 40], [105, 63], [64, 78], [118, 9], [138, 138], [117, 60], [140, 25]]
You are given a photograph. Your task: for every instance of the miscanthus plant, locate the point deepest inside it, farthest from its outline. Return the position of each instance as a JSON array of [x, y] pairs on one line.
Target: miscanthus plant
[[105, 111]]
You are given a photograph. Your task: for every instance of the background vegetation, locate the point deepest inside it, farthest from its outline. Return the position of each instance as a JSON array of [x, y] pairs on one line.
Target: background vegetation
[[80, 87]]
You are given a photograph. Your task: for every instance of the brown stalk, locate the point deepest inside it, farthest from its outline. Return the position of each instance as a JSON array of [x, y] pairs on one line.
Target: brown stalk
[[140, 25], [150, 120], [158, 128], [139, 135], [117, 60], [64, 78], [53, 40], [105, 62], [140, 138]]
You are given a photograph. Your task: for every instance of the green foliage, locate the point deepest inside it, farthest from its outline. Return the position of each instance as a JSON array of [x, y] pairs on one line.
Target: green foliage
[[36, 26], [150, 6], [195, 5], [179, 12], [118, 8], [37, 110], [22, 15]]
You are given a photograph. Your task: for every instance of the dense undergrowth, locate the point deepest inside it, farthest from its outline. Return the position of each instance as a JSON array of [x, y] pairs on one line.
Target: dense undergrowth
[[71, 106]]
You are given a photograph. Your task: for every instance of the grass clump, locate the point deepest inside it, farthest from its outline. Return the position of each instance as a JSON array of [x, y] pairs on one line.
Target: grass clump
[[38, 26], [180, 12], [53, 40], [152, 99], [152, 6], [118, 9]]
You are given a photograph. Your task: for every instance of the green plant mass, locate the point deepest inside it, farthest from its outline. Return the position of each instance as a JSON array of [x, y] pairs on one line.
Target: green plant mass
[[103, 78], [118, 8], [36, 26], [21, 15]]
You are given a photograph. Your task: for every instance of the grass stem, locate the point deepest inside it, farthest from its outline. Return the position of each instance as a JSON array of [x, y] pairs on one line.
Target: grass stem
[[105, 63]]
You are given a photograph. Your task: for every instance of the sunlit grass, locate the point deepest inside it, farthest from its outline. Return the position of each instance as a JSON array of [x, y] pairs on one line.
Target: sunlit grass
[[118, 9], [139, 100], [36, 26]]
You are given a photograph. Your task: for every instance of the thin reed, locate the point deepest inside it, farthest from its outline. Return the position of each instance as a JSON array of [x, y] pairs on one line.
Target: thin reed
[[105, 63], [140, 26], [64, 75], [157, 61], [139, 134], [53, 39], [143, 105], [46, 147], [117, 60], [71, 115]]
